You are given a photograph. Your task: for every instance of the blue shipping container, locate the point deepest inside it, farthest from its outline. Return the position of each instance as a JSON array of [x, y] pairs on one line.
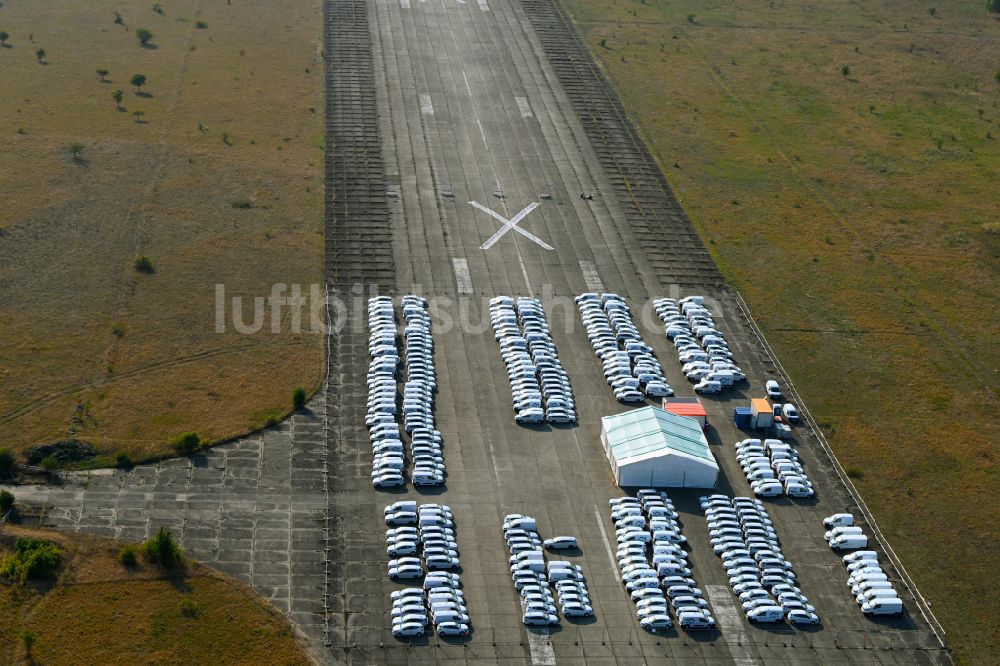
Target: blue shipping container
[[742, 417]]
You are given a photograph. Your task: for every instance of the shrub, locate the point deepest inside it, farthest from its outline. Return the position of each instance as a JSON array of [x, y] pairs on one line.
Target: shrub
[[299, 398], [50, 462], [201, 25], [32, 559], [123, 460], [6, 501], [144, 264], [189, 608], [845, 70], [162, 550], [144, 36], [6, 463], [855, 472], [187, 443], [128, 556]]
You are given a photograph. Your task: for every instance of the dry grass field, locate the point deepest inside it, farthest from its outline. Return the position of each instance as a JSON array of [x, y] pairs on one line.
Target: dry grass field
[[212, 170], [841, 161], [95, 611]]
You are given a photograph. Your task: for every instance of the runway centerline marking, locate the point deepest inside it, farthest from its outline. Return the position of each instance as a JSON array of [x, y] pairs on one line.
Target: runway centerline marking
[[540, 646], [590, 276], [426, 106], [462, 276], [730, 624], [510, 224], [524, 107]]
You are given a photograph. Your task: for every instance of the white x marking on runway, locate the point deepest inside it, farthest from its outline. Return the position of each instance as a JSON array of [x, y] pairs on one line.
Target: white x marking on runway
[[510, 224]]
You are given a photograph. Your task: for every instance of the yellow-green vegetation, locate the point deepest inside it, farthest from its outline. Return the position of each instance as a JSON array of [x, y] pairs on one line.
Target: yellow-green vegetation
[[840, 159], [95, 610], [121, 211]]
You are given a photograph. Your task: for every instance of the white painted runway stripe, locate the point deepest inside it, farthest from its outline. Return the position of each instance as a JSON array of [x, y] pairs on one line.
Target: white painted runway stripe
[[522, 104], [510, 224], [405, 4], [462, 276], [607, 543], [590, 276], [730, 624], [483, 6], [426, 107], [540, 646]]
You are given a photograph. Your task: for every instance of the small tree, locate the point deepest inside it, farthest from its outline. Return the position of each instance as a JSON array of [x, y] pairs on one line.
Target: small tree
[[138, 80], [3, 37], [118, 19], [40, 55], [118, 96], [158, 8], [138, 115], [6, 463], [128, 556], [846, 70], [28, 637], [299, 398], [101, 72], [187, 443], [6, 502], [144, 36], [144, 264], [162, 550], [75, 149]]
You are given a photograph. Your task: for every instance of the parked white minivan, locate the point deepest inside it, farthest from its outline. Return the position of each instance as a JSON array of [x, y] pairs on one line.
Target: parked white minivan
[[883, 606], [849, 542]]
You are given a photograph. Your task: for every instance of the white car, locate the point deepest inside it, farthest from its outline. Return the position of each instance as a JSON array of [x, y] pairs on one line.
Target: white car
[[560, 543], [656, 622], [408, 629], [539, 619], [577, 610], [789, 413], [453, 629], [773, 390], [708, 386]]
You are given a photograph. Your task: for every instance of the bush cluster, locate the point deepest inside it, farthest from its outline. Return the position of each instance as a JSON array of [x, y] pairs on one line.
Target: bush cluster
[[32, 559]]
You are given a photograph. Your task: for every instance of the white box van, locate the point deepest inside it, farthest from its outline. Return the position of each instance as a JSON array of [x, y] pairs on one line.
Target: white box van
[[849, 542], [872, 585], [883, 606], [886, 593], [724, 377], [530, 565]]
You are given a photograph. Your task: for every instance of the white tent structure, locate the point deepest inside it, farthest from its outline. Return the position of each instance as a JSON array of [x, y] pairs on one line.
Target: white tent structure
[[650, 447]]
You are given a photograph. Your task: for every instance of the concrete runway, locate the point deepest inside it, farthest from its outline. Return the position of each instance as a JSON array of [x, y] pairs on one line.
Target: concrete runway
[[433, 105]]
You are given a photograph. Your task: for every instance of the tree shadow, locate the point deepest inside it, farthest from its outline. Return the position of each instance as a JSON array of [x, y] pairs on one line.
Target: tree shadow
[[149, 45], [6, 46], [143, 94]]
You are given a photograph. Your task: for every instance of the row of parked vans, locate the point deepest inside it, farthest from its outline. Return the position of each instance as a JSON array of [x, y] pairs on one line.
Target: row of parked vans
[[540, 388], [427, 530], [654, 565], [773, 468], [869, 584], [630, 366], [702, 350], [743, 536], [533, 576]]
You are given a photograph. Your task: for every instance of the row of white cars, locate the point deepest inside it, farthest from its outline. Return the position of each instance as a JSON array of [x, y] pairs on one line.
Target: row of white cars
[[388, 464], [382, 418], [427, 529], [773, 468], [702, 350], [743, 535], [533, 576], [540, 387], [869, 583], [647, 524], [630, 366]]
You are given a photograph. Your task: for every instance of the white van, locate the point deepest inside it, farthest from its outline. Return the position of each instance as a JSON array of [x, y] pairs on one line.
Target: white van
[[861, 555], [867, 596], [864, 585], [705, 386], [766, 614], [849, 542], [867, 575], [883, 606], [853, 530]]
